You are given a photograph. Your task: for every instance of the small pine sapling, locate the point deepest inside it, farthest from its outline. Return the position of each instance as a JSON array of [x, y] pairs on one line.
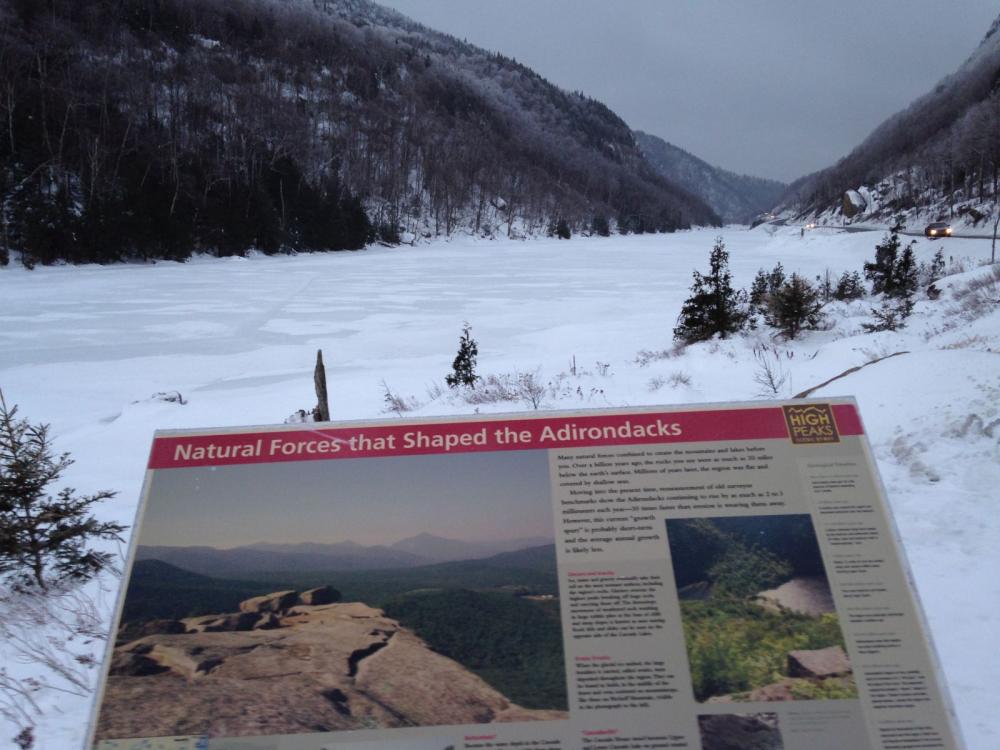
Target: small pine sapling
[[44, 540], [765, 286], [906, 276], [896, 276], [795, 307], [825, 286], [463, 369], [849, 287], [880, 272], [935, 269], [714, 307], [776, 278], [890, 316], [759, 291]]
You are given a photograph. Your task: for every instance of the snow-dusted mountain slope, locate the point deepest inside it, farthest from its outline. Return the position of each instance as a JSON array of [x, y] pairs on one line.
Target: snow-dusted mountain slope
[[223, 126], [937, 159], [737, 198]]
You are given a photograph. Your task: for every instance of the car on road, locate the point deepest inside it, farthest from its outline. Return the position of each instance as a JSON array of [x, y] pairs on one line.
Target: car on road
[[937, 229]]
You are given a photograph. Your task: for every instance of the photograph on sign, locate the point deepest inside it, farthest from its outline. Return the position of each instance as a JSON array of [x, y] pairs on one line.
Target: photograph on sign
[[259, 592], [759, 617], [740, 732]]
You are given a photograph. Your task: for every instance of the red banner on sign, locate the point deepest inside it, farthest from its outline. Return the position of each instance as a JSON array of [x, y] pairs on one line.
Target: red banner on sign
[[501, 434]]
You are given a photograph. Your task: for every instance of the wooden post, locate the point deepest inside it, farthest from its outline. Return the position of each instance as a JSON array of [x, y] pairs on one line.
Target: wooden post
[[993, 253], [322, 411]]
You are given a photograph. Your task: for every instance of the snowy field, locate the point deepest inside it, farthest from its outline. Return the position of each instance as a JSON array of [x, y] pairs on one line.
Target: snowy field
[[85, 349]]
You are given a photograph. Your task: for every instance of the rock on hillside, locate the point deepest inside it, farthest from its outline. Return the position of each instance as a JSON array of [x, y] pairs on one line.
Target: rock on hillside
[[808, 595], [315, 668], [740, 732]]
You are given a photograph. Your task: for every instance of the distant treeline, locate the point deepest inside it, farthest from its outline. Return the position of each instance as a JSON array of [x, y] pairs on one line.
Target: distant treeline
[[157, 128], [158, 590]]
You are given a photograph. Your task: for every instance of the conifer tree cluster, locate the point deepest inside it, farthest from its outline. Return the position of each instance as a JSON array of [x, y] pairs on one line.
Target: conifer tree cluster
[[715, 308], [790, 304]]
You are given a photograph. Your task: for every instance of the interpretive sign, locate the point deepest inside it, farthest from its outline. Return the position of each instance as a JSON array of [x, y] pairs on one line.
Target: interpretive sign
[[704, 577]]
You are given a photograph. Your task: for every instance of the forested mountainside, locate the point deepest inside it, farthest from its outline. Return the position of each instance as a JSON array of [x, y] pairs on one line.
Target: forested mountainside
[[155, 128], [939, 156], [736, 198]]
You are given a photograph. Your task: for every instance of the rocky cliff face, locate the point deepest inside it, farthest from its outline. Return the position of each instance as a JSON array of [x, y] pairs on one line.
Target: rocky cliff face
[[300, 669]]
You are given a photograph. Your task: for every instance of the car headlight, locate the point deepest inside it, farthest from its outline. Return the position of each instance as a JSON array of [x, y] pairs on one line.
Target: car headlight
[[947, 231]]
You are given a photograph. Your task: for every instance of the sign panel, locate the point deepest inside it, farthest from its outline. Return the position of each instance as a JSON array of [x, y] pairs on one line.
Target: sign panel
[[704, 577]]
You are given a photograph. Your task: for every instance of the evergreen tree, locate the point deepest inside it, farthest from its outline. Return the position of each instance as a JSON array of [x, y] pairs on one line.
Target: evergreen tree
[[885, 273], [463, 369], [880, 271], [562, 230], [766, 285], [600, 226], [825, 286], [905, 276], [759, 291], [849, 287], [714, 307], [43, 540], [935, 269], [890, 316], [896, 276], [776, 278], [795, 306]]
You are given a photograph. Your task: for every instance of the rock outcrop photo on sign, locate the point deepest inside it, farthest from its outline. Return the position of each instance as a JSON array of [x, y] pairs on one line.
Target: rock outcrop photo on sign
[[298, 668]]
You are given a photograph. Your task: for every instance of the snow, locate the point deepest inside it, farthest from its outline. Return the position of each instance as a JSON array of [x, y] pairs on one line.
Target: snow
[[87, 349]]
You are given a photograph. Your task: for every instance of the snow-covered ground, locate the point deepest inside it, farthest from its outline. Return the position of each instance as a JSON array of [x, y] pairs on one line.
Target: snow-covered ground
[[86, 349]]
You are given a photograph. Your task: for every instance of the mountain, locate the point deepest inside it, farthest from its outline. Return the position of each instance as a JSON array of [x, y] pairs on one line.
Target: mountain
[[263, 557], [140, 129], [439, 549], [736, 198], [240, 561], [158, 589], [938, 158]]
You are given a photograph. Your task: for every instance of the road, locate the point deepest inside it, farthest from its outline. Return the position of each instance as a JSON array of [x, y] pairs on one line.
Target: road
[[863, 228]]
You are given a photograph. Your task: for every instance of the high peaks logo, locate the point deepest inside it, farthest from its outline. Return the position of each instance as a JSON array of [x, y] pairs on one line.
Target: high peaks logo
[[812, 423]]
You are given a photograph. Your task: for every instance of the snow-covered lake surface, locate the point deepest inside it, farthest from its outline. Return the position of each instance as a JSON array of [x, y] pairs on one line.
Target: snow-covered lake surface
[[85, 349]]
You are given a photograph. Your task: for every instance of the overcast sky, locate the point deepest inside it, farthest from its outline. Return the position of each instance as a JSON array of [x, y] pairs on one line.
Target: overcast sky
[[774, 88], [473, 497]]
